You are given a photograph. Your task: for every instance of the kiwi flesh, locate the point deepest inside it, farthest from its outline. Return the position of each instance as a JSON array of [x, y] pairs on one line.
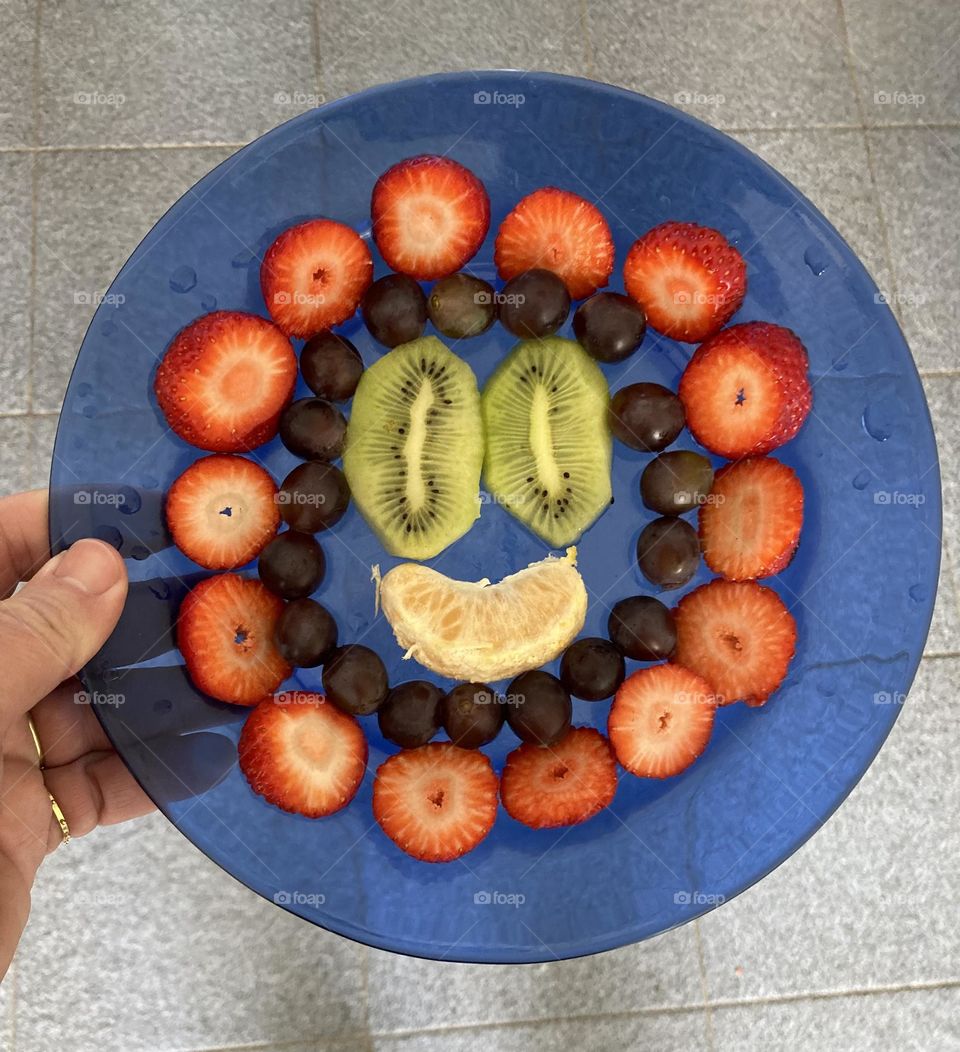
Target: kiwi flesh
[[549, 449], [414, 448]]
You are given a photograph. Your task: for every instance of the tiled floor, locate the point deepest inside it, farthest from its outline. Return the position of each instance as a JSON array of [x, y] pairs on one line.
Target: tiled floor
[[107, 113]]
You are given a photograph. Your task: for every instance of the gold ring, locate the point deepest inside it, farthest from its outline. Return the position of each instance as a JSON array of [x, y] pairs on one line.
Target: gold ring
[[54, 806]]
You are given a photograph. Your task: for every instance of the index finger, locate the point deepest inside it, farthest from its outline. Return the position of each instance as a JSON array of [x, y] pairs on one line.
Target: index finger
[[24, 538]]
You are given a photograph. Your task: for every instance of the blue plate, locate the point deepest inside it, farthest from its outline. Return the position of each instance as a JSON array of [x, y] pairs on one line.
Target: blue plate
[[861, 587]]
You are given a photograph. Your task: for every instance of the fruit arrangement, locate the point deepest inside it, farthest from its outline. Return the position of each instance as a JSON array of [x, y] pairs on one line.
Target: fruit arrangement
[[419, 441]]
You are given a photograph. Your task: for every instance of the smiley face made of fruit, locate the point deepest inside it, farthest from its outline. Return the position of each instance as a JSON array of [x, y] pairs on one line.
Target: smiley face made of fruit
[[419, 439]]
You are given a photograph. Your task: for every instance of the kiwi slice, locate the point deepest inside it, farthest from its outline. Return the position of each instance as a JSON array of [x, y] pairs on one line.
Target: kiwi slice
[[414, 448], [548, 445]]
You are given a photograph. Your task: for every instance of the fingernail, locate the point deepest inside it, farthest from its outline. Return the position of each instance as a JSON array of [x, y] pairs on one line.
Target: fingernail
[[90, 566]]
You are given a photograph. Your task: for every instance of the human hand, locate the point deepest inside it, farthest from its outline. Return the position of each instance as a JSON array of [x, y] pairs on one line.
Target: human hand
[[48, 630]]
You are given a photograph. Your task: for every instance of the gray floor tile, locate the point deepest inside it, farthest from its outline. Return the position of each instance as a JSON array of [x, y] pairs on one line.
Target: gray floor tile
[[869, 901], [663, 1032], [658, 973], [7, 997], [15, 221], [913, 1021], [163, 951], [944, 635], [16, 62], [16, 470], [362, 45], [905, 60], [43, 431], [172, 71], [831, 169], [918, 177], [94, 207], [773, 66]]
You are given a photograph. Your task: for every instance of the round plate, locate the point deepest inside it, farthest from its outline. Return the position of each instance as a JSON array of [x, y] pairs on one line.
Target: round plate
[[861, 587]]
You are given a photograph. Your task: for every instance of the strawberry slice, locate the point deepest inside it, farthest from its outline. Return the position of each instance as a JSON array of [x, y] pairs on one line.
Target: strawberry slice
[[302, 754], [689, 280], [225, 632], [739, 636], [750, 524], [436, 802], [661, 720], [562, 784], [430, 215], [746, 390], [222, 511], [314, 276], [559, 231], [224, 381]]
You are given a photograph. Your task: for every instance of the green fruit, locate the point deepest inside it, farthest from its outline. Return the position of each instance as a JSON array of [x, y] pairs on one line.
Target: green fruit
[[414, 448], [548, 444]]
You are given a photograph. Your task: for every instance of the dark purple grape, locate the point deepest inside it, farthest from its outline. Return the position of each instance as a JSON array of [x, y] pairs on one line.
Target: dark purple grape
[[539, 708], [331, 366], [472, 715], [461, 306], [313, 429], [292, 565], [313, 497], [306, 633], [411, 714], [394, 310], [533, 304], [647, 417], [668, 552], [609, 326], [355, 680], [642, 628], [676, 482], [592, 669]]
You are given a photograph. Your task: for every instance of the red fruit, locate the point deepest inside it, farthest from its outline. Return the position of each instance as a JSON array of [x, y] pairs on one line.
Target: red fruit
[[746, 391], [225, 380], [545, 786], [661, 720], [301, 753], [750, 525], [739, 636], [559, 231], [436, 802], [314, 275], [225, 632], [430, 215], [689, 280], [222, 511]]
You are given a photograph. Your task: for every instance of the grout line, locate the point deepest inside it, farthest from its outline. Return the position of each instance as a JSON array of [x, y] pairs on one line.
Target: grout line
[[871, 164], [705, 986], [946, 655], [935, 374], [122, 147], [317, 53]]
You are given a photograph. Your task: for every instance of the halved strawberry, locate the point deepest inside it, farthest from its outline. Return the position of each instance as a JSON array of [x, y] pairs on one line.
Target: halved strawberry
[[314, 276], [559, 231], [661, 720], [689, 280], [301, 753], [225, 632], [222, 511], [225, 380], [746, 390], [436, 802], [430, 215], [739, 636], [750, 524], [545, 786]]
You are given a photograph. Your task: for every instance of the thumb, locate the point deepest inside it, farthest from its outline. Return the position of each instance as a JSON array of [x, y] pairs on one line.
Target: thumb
[[57, 621]]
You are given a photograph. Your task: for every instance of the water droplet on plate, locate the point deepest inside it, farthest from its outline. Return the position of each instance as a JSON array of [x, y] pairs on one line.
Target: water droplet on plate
[[84, 390], [110, 534], [161, 590], [108, 328], [243, 258], [878, 419], [131, 502], [162, 705], [89, 411], [816, 259], [918, 593], [209, 303], [861, 479], [183, 279], [139, 552]]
